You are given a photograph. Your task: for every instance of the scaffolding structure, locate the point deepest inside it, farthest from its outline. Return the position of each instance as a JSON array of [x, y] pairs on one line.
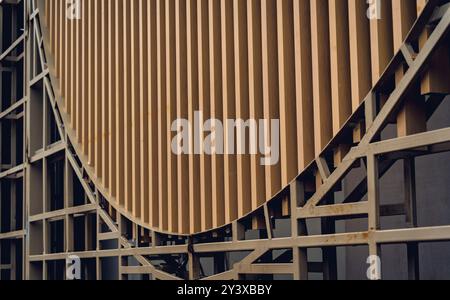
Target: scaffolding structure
[[51, 209]]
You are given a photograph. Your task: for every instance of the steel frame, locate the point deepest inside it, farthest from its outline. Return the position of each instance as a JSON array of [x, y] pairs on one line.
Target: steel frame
[[110, 239]]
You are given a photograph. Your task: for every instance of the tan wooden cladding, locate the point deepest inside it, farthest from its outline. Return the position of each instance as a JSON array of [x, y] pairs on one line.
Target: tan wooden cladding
[[129, 68]]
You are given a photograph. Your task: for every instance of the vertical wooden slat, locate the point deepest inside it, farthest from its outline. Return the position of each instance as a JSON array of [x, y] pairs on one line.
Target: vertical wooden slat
[[303, 83], [171, 111], [321, 74], [120, 93], [193, 103], [69, 69], [381, 40], [91, 87], [162, 124], [47, 5], [54, 32], [182, 112], [241, 77], [128, 113], [339, 63], [404, 13], [144, 169], [153, 112], [67, 49], [78, 97], [98, 89], [229, 108], [134, 113], [73, 73], [204, 104], [256, 103], [341, 104], [286, 77], [85, 77], [52, 26], [435, 80], [56, 38], [105, 107], [62, 49], [359, 37], [270, 86], [411, 118], [60, 43], [112, 97], [217, 164]]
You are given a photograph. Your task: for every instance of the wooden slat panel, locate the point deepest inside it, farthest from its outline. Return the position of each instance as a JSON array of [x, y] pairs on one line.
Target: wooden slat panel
[[129, 68]]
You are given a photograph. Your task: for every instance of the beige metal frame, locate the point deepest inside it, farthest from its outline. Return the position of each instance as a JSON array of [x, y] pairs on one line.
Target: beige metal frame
[[111, 239]]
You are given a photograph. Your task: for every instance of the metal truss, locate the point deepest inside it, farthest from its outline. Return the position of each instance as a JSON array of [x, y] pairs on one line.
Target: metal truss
[[64, 212]]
